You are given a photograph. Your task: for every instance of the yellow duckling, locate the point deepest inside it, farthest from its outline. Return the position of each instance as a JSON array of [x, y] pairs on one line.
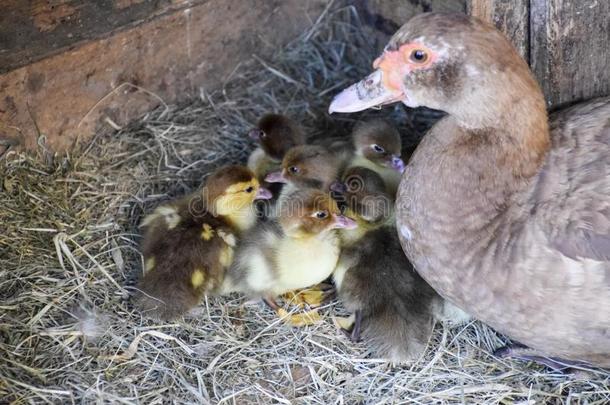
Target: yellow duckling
[[189, 243], [296, 249]]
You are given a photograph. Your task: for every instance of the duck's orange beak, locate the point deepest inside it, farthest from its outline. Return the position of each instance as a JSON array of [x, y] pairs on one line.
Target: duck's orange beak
[[383, 86]]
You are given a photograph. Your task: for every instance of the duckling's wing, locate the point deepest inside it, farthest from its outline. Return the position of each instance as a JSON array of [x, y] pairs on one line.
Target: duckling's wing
[[574, 185]]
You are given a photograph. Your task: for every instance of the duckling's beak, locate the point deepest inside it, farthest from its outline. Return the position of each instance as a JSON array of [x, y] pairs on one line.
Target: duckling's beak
[[263, 194], [338, 187], [367, 93], [276, 177], [255, 134], [343, 222], [397, 164]]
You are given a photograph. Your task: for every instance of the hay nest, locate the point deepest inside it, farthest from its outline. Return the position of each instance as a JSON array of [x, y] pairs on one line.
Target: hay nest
[[69, 253]]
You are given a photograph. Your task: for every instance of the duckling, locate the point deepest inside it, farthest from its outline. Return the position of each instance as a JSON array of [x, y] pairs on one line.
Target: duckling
[[276, 134], [377, 146], [307, 166], [374, 144], [188, 244], [296, 249], [393, 307]]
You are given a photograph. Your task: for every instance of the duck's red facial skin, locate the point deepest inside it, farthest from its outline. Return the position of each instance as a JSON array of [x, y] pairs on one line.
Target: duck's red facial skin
[[386, 84], [395, 65]]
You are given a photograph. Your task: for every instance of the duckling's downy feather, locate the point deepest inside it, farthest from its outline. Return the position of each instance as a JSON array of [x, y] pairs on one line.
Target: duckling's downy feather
[[268, 262]]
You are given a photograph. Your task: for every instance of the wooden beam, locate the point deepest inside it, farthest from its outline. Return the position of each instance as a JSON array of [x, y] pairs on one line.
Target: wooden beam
[[33, 30]]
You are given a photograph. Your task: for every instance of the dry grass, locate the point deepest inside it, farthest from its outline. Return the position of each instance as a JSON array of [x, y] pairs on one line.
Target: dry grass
[[69, 252]]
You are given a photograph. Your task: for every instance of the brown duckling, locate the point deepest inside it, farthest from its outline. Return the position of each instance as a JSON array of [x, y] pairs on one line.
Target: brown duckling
[[296, 249], [504, 211], [392, 306], [188, 244], [377, 146], [374, 144], [307, 166], [275, 134]]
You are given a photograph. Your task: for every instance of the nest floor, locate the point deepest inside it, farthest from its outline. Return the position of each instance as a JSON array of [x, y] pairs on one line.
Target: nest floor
[[69, 259]]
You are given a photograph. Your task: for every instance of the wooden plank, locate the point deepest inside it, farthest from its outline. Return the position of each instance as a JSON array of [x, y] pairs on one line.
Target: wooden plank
[[570, 42], [33, 30], [74, 93], [509, 16], [382, 18]]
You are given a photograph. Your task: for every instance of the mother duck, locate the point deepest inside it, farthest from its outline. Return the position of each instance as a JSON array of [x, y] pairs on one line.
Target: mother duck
[[504, 212]]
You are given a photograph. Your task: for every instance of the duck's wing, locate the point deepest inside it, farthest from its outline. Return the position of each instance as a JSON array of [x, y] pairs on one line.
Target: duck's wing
[[574, 185]]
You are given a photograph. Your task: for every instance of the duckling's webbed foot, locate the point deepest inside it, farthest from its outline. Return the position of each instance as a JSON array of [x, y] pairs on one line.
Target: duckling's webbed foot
[[522, 352], [350, 326], [313, 297], [298, 320]]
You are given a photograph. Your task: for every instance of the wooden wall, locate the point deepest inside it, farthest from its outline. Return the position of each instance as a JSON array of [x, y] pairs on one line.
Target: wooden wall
[[566, 42], [71, 67]]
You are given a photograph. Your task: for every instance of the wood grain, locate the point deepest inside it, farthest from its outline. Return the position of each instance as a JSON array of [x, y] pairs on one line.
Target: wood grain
[[509, 16], [570, 43], [33, 30], [73, 94], [566, 43]]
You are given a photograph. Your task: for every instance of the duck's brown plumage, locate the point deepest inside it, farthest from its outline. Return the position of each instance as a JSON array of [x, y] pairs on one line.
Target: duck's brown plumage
[[508, 220]]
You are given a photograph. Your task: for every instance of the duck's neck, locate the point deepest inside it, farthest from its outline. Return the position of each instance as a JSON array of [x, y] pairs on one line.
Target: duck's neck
[[508, 110], [465, 186]]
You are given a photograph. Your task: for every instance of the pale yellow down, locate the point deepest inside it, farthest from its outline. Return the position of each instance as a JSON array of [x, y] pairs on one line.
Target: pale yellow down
[[197, 278], [207, 232]]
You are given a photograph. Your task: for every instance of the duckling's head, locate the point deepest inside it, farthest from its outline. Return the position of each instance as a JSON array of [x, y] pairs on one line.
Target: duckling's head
[[232, 189], [307, 166], [365, 196], [310, 212], [379, 142], [276, 134]]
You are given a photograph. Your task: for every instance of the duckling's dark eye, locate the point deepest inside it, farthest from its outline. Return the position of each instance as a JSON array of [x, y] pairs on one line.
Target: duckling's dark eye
[[249, 189], [293, 169], [419, 56], [321, 214], [263, 134], [378, 148]]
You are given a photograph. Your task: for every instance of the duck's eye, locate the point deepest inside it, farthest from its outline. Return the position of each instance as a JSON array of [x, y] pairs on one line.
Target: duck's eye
[[321, 214], [249, 189], [419, 56], [377, 148], [293, 169], [263, 134]]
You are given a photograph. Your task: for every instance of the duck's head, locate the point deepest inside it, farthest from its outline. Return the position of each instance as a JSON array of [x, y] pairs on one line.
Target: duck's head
[[310, 212], [379, 142], [365, 196], [276, 134], [307, 166], [232, 189], [449, 62]]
